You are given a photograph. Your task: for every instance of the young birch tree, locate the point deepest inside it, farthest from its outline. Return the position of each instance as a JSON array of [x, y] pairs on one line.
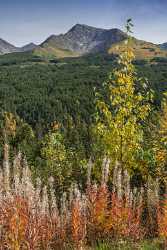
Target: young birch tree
[[120, 119]]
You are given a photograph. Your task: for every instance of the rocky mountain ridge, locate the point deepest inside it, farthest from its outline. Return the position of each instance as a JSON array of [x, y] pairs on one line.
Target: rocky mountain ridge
[[82, 39]]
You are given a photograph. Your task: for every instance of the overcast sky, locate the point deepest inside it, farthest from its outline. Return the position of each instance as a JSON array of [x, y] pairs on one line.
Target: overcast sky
[[25, 21]]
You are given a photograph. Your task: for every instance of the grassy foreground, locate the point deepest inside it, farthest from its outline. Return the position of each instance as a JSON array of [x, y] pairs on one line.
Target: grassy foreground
[[155, 244]]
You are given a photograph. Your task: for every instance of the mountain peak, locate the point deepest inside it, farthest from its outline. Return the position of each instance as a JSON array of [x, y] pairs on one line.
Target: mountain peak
[[6, 47], [29, 47], [83, 39], [81, 27]]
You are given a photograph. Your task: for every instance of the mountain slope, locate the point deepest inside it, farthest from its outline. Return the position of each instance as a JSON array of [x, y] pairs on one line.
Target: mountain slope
[[142, 49], [6, 47], [51, 52], [29, 47], [83, 39]]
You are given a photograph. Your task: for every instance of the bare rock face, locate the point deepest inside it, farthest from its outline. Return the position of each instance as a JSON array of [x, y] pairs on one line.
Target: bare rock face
[[85, 39]]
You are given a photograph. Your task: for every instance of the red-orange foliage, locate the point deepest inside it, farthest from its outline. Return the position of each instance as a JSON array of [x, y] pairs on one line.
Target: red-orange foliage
[[23, 228], [14, 220], [98, 199], [124, 220], [109, 216], [97, 215], [78, 224], [162, 220], [30, 218]]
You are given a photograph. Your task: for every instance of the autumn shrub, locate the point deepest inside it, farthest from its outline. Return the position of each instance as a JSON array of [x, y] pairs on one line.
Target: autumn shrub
[[78, 222], [14, 221], [124, 221], [98, 199]]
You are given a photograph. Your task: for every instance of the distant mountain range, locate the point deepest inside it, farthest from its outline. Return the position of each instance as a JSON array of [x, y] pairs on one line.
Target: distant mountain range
[[28, 47], [163, 46], [6, 48], [83, 39]]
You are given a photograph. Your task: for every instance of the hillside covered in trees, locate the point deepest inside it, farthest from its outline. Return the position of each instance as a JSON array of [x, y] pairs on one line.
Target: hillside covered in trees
[[43, 91]]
